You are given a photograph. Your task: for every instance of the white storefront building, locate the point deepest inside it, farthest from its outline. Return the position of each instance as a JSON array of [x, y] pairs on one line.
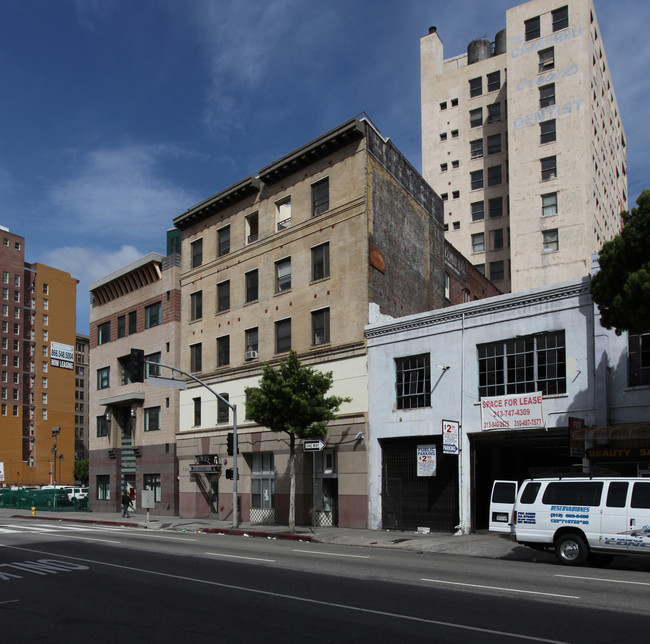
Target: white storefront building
[[478, 370]]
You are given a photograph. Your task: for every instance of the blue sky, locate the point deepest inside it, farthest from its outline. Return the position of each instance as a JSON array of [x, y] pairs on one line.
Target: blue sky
[[118, 115]]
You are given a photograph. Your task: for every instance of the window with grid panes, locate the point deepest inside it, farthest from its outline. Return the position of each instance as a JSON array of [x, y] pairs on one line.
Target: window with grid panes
[[494, 144], [493, 81], [475, 86], [196, 305], [497, 271], [549, 168], [550, 240], [560, 18], [547, 95], [476, 117], [252, 286], [223, 296], [494, 112], [478, 243], [223, 410], [283, 336], [320, 262], [476, 148], [494, 175], [522, 365], [476, 179], [283, 275], [547, 131], [638, 359], [223, 351], [549, 204], [495, 206], [532, 28], [320, 194], [413, 381], [546, 60], [320, 326], [197, 252], [478, 210], [223, 241]]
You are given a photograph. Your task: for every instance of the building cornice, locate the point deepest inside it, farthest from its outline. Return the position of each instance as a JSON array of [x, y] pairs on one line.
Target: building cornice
[[218, 202], [489, 306]]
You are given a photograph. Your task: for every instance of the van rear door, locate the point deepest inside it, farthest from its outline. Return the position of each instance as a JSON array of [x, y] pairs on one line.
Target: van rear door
[[502, 503], [639, 518]]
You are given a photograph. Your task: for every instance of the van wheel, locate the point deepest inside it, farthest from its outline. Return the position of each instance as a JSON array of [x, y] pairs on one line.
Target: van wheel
[[571, 549], [599, 561]]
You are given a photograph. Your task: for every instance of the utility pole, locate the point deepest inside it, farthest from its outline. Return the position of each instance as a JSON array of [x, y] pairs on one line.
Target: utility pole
[[55, 433]]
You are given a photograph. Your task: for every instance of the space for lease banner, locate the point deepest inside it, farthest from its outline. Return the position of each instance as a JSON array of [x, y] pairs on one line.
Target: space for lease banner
[[514, 411]]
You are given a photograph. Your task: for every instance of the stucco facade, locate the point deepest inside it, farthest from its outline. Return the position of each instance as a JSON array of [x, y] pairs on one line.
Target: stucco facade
[[594, 405], [523, 140]]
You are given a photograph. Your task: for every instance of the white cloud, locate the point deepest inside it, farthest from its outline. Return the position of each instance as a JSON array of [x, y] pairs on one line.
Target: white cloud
[[242, 40], [120, 191]]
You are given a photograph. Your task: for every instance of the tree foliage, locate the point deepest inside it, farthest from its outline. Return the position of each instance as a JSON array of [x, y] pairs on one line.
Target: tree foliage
[[81, 470], [621, 288], [293, 399]]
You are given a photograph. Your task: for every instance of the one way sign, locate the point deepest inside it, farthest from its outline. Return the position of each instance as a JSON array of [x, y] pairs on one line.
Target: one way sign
[[313, 446]]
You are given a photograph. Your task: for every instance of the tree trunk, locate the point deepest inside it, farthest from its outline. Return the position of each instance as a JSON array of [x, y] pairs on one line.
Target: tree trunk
[[292, 483]]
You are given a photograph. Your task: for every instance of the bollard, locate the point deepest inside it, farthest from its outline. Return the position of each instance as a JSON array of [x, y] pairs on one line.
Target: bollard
[[33, 510]]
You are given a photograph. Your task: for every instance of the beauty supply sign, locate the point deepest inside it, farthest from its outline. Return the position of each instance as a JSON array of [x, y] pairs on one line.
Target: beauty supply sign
[[61, 355], [514, 411]]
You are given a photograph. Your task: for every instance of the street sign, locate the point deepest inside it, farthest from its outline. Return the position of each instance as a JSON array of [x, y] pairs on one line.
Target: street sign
[[313, 446], [450, 431]]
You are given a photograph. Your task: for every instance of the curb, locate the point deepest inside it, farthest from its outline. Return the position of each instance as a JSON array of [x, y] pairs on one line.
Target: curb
[[257, 533]]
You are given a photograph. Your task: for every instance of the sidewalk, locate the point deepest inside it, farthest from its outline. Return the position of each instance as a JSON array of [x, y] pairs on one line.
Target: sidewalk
[[480, 544]]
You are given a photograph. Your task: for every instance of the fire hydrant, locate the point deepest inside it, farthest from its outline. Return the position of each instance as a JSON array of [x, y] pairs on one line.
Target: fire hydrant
[[33, 510]]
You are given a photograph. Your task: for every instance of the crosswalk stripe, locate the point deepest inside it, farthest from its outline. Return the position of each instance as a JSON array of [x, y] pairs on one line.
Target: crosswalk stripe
[[34, 528]]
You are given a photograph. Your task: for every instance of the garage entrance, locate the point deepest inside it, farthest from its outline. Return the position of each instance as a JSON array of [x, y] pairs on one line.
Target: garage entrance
[[410, 501], [514, 456]]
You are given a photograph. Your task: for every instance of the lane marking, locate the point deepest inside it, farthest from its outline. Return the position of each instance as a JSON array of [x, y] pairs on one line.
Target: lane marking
[[330, 554], [305, 600], [613, 581], [9, 601], [16, 529], [95, 539], [219, 554], [33, 528], [507, 590]]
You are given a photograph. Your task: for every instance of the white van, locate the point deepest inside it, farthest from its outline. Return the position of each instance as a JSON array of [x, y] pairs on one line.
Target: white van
[[582, 519]]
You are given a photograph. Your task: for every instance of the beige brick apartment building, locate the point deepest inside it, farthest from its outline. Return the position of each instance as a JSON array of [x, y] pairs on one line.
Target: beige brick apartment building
[[523, 140], [301, 256], [133, 424]]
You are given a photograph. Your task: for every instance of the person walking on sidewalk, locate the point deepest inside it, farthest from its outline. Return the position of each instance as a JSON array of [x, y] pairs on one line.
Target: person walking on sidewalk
[[126, 502]]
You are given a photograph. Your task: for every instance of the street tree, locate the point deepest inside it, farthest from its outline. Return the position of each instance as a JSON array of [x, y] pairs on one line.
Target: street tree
[[621, 288], [81, 470], [293, 399]]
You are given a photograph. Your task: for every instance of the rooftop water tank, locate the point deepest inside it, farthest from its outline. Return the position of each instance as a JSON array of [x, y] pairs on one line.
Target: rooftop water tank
[[500, 43], [478, 49]]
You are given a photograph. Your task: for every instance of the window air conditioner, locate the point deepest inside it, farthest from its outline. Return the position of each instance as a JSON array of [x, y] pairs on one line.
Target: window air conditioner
[[251, 355]]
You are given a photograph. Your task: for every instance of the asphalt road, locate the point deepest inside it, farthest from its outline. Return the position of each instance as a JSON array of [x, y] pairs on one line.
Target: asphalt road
[[77, 583]]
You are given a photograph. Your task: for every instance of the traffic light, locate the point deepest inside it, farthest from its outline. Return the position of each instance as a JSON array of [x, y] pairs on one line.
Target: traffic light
[[136, 365], [229, 473], [229, 445]]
